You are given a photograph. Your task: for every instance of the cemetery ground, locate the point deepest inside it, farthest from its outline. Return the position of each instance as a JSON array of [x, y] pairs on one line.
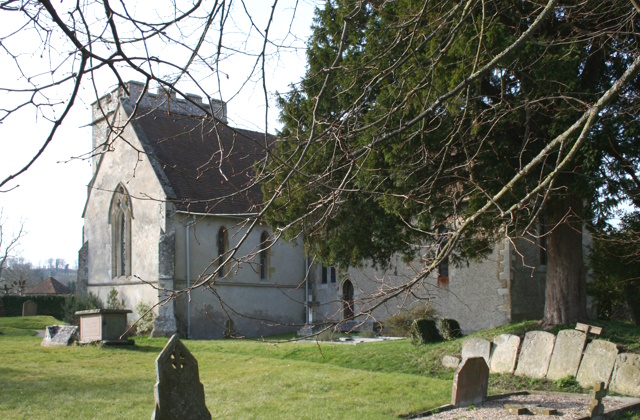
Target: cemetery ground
[[247, 378]]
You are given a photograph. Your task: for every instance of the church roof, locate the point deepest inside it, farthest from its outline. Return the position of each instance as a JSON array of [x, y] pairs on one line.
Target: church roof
[[205, 167], [49, 286]]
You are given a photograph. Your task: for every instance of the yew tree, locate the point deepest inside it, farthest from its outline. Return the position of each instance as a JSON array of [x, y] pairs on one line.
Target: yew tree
[[432, 129]]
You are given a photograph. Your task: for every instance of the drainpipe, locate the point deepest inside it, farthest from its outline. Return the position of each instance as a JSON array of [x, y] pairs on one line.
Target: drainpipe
[[189, 224], [306, 289]]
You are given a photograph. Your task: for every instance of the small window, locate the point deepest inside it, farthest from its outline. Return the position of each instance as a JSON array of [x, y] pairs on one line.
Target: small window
[[264, 255], [328, 274], [223, 244]]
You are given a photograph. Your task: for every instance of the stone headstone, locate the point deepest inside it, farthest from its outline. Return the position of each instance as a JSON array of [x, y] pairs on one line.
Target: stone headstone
[[59, 335], [597, 363], [505, 353], [535, 354], [178, 391], [567, 354], [476, 347], [625, 379], [470, 382], [451, 362], [29, 308]]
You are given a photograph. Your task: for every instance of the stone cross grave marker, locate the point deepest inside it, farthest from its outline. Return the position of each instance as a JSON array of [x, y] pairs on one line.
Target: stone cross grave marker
[[178, 392], [589, 328], [29, 308], [595, 408], [470, 382], [59, 335]]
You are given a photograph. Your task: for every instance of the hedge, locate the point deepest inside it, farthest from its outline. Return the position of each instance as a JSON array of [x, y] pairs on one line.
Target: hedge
[[47, 304]]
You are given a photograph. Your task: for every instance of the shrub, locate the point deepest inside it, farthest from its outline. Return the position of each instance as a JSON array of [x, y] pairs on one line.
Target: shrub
[[75, 303], [449, 328], [424, 331], [399, 325], [144, 325], [112, 300], [569, 384]]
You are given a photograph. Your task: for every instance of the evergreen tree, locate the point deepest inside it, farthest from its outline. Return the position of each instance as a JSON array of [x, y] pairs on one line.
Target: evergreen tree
[[434, 128]]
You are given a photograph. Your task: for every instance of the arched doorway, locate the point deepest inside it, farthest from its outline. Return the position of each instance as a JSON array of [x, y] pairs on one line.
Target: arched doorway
[[347, 299]]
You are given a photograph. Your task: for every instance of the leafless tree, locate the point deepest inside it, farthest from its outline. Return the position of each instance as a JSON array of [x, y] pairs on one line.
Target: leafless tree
[[9, 245], [91, 44]]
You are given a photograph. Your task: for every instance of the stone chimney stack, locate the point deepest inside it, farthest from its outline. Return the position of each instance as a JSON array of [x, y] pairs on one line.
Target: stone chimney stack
[[104, 108]]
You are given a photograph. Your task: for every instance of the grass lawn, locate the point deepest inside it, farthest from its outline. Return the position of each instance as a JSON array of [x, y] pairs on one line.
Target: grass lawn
[[243, 378]]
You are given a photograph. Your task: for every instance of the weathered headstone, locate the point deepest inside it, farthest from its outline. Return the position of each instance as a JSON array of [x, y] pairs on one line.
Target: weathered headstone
[[59, 335], [535, 354], [470, 382], [625, 379], [451, 362], [178, 392], [597, 363], [29, 308], [476, 347], [595, 408], [567, 353], [505, 353]]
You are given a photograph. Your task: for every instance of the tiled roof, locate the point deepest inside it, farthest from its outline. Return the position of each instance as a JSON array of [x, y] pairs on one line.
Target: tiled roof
[[49, 286], [209, 167]]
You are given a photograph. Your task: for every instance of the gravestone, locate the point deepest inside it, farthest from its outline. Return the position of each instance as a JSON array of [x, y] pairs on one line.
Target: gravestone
[[470, 382], [29, 308], [595, 409], [178, 391], [535, 354], [451, 362], [476, 347], [625, 379], [567, 353], [59, 335], [597, 363], [505, 353]]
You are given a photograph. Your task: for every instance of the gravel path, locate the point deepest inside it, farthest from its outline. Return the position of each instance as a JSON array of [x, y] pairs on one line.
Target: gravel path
[[569, 407]]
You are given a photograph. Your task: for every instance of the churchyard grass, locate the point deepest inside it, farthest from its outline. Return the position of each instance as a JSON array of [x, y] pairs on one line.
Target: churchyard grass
[[117, 383], [245, 378]]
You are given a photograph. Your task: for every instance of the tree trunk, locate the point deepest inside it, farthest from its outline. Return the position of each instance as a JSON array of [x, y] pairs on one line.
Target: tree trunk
[[566, 288]]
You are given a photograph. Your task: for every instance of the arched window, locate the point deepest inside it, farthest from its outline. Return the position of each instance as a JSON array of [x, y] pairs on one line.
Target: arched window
[[264, 255], [120, 215], [347, 299], [223, 247]]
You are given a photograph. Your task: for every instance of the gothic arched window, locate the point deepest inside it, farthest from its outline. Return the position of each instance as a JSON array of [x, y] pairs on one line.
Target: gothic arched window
[[120, 215]]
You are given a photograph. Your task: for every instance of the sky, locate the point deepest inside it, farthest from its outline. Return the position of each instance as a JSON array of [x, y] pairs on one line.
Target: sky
[[48, 199]]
